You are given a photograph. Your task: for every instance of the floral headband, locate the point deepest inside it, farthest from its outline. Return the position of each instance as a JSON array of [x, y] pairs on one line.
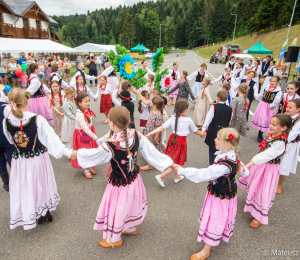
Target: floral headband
[[229, 138]]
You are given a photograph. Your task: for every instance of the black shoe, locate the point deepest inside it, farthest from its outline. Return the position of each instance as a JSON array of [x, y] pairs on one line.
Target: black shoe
[[5, 179], [247, 127], [41, 220], [260, 137], [49, 217]]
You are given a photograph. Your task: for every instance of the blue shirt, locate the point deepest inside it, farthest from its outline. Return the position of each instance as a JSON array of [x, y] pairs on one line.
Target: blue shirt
[[21, 61]]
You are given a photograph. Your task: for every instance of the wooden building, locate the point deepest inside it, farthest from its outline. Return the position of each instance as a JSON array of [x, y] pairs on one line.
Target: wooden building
[[25, 20]]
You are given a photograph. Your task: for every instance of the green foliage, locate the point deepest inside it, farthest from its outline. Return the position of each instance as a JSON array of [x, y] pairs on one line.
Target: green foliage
[[158, 79], [157, 59], [139, 81]]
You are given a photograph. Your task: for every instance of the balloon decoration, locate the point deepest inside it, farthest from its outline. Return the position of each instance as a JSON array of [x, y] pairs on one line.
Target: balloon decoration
[[24, 66], [18, 72], [7, 88], [62, 64]]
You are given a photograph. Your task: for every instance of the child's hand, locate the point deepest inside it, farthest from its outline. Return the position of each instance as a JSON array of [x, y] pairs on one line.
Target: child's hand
[[272, 108], [134, 91], [156, 141], [202, 134], [74, 155], [193, 99], [211, 103], [95, 100], [62, 114], [230, 123], [210, 83], [148, 136], [118, 87]]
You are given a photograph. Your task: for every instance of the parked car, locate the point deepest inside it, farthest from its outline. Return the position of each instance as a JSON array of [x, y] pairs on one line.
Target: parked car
[[245, 56], [214, 58], [149, 55]]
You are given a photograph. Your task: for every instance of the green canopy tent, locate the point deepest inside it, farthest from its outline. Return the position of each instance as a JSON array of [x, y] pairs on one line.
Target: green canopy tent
[[258, 48], [146, 49], [139, 47]]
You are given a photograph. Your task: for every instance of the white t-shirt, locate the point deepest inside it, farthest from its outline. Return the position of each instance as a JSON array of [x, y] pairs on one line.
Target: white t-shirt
[[183, 126], [98, 60]]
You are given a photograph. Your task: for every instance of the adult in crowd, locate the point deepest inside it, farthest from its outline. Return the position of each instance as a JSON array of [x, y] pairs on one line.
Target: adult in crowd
[[78, 59], [12, 66], [92, 65], [99, 61], [3, 71], [283, 75], [47, 64], [22, 59], [42, 69]]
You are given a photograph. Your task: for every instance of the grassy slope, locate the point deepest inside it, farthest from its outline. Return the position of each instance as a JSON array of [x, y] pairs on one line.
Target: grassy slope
[[272, 41]]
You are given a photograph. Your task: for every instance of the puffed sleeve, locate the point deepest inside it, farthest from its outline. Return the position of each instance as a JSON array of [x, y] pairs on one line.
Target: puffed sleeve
[[51, 140], [271, 153], [34, 86], [91, 157], [84, 126], [294, 132], [193, 75], [116, 101], [64, 84], [217, 80], [89, 92], [157, 159], [107, 71], [276, 100], [46, 89], [167, 124]]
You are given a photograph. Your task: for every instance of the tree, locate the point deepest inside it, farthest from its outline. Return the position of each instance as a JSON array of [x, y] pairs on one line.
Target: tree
[[151, 32], [127, 35]]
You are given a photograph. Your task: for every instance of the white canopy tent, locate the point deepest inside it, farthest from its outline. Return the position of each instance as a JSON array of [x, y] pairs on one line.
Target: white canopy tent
[[13, 45], [93, 47]]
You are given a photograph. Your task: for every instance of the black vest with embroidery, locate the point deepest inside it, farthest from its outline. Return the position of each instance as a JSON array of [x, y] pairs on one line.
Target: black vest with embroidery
[[223, 79], [26, 142], [270, 73], [199, 77], [251, 89], [231, 66], [269, 96], [39, 92], [225, 187], [297, 139], [268, 144], [124, 170]]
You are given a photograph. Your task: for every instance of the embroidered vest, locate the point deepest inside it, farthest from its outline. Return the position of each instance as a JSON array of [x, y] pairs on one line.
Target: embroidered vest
[[223, 79], [199, 77], [269, 143], [269, 96], [231, 66], [270, 73], [40, 90], [174, 75], [225, 186]]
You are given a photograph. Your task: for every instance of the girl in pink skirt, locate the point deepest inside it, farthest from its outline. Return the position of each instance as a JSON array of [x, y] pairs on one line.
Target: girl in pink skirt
[[124, 203], [269, 98], [261, 184], [112, 78], [175, 76], [32, 186], [39, 103], [217, 217]]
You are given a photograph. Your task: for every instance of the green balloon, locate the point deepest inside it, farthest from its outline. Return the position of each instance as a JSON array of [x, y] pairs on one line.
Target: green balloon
[[24, 66]]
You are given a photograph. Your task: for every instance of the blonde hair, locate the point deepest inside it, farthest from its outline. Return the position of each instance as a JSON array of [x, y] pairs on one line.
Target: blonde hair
[[151, 77], [203, 65], [234, 143], [207, 81], [69, 91], [19, 97], [126, 85], [244, 89]]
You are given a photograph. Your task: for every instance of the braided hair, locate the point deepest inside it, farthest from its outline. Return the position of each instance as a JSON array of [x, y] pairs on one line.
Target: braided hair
[[79, 99], [181, 105], [244, 89]]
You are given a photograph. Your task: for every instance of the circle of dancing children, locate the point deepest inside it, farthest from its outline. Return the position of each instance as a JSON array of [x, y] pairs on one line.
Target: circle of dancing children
[[39, 103], [68, 125], [199, 75], [218, 214], [261, 184], [269, 99], [177, 146], [239, 107], [32, 195], [105, 91], [202, 105], [290, 158], [124, 203], [144, 110], [292, 93], [84, 135], [56, 102], [174, 73]]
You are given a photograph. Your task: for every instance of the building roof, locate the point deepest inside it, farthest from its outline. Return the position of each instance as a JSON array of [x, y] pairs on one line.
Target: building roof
[[19, 7]]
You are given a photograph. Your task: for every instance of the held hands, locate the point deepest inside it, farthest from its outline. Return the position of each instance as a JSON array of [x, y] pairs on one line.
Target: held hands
[[194, 99], [210, 83], [134, 91], [74, 155], [211, 103], [118, 86], [202, 134], [272, 108], [62, 114]]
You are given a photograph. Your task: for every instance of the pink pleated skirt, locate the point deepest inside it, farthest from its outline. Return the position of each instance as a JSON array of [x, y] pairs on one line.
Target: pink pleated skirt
[[261, 185], [262, 117], [41, 106], [175, 93], [32, 190], [217, 219], [113, 81], [121, 207]]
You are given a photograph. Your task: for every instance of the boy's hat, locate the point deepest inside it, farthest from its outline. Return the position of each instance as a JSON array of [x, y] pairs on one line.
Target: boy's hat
[[125, 95], [255, 73]]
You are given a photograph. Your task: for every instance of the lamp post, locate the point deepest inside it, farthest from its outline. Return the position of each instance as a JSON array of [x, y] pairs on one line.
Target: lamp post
[[160, 34], [234, 27], [287, 37]]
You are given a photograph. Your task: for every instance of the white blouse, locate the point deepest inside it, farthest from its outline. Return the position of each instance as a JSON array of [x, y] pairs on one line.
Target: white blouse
[[177, 73], [46, 134], [213, 171], [194, 75], [87, 77], [108, 90], [148, 72], [183, 126], [269, 69], [81, 124], [3, 98], [96, 156], [277, 98], [58, 78], [219, 78], [295, 130], [107, 71], [88, 92], [35, 84]]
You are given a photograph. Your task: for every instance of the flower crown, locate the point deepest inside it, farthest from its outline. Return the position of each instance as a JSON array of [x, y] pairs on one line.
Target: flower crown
[[229, 138]]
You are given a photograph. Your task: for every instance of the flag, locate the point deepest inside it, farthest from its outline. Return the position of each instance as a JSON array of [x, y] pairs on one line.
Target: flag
[[281, 54]]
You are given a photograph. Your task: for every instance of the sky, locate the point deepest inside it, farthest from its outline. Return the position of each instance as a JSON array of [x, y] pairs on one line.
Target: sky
[[66, 7]]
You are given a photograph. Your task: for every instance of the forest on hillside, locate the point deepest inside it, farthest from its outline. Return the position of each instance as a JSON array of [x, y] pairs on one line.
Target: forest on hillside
[[184, 23]]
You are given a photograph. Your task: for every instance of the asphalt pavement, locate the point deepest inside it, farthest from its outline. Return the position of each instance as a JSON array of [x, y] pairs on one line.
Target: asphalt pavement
[[171, 225]]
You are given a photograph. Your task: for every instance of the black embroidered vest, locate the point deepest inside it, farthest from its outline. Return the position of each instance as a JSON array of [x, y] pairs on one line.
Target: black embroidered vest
[[270, 73], [297, 139], [199, 77], [269, 96], [225, 186], [124, 170], [231, 66], [39, 92], [223, 79], [268, 143], [26, 142], [251, 89]]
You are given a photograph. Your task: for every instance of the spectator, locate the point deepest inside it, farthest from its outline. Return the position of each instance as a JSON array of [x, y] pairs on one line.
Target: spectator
[[22, 59], [12, 66], [3, 71], [41, 65], [92, 63], [99, 61], [283, 75], [78, 59]]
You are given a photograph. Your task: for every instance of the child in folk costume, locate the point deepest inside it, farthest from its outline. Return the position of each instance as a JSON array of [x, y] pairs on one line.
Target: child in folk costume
[[144, 66], [224, 78], [271, 71], [249, 66], [290, 158], [84, 134], [236, 79], [155, 120], [68, 126], [39, 103], [218, 117], [202, 105], [257, 69], [33, 191], [83, 88], [177, 147], [174, 73], [144, 110], [105, 91], [262, 182], [199, 75], [183, 88], [56, 76], [112, 78], [292, 89], [253, 87], [124, 203], [230, 64], [239, 107], [56, 102], [148, 86], [269, 98], [218, 214]]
